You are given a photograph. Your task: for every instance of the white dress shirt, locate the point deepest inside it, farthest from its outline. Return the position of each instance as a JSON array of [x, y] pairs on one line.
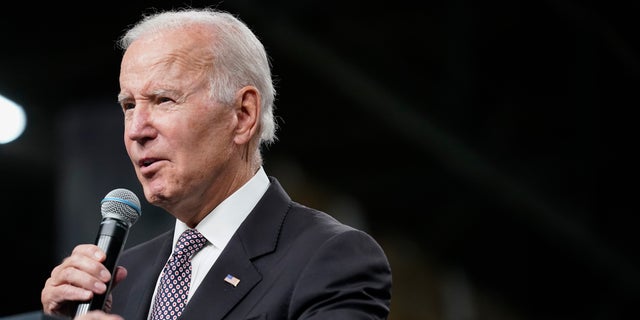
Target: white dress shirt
[[219, 226]]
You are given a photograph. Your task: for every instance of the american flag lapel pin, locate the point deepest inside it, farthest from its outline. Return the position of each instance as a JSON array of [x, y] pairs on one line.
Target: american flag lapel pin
[[232, 280]]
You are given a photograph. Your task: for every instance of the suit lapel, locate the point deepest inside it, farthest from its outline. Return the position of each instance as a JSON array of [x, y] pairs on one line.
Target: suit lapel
[[232, 262], [142, 291], [256, 236]]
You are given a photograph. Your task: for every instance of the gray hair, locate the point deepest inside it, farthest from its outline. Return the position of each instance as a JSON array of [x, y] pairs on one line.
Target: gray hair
[[240, 59]]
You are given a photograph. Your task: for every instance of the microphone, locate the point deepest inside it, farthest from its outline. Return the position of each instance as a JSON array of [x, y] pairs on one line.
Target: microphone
[[120, 210]]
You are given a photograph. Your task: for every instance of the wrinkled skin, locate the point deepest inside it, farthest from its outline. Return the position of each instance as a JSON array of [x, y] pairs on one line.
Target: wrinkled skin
[[189, 152]]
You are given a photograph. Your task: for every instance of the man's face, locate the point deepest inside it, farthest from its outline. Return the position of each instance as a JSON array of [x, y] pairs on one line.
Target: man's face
[[179, 140]]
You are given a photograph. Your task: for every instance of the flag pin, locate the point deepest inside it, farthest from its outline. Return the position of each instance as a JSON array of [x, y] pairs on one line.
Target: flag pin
[[232, 280]]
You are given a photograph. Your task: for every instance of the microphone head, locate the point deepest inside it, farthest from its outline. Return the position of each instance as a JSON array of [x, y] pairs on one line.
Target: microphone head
[[121, 204]]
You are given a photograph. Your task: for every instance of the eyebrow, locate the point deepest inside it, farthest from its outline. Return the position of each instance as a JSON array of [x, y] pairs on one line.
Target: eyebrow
[[122, 97]]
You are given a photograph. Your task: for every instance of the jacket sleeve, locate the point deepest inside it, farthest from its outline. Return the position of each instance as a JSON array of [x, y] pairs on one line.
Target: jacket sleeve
[[348, 277]]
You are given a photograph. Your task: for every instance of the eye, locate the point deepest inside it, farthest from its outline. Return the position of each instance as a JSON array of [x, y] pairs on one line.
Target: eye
[[127, 106], [164, 100]]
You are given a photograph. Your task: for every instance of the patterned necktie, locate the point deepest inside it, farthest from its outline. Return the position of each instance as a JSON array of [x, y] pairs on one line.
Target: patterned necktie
[[173, 291]]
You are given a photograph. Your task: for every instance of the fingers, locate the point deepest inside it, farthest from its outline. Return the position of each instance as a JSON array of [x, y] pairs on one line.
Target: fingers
[[98, 315], [77, 278], [83, 269], [120, 274], [55, 300]]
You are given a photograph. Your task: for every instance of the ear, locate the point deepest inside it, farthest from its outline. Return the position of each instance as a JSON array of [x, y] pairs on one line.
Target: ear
[[247, 114]]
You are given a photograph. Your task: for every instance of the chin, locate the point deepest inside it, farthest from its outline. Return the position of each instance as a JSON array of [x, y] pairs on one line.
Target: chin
[[156, 196]]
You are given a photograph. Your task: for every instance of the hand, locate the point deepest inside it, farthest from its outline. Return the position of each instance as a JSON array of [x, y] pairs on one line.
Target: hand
[[98, 315], [78, 278]]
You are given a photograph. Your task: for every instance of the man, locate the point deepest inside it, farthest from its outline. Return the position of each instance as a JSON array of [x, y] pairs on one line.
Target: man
[[197, 97]]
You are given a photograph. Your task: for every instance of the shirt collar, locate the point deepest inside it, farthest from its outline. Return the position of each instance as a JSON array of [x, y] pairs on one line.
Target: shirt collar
[[220, 224]]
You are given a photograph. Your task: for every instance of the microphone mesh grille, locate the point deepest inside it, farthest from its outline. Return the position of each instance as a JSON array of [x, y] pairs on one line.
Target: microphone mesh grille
[[121, 204]]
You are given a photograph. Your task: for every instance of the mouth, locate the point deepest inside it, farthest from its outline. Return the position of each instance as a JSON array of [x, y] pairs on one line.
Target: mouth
[[149, 166], [146, 162]]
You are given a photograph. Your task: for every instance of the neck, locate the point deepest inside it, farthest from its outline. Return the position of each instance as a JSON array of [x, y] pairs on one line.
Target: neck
[[225, 185]]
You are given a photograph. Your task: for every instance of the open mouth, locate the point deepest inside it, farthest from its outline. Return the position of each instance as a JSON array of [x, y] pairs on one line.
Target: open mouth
[[146, 162]]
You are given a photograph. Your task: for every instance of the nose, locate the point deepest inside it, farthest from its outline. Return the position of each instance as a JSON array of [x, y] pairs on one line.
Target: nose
[[139, 125]]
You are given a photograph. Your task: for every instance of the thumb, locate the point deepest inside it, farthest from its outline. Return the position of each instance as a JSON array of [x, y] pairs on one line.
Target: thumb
[[120, 274]]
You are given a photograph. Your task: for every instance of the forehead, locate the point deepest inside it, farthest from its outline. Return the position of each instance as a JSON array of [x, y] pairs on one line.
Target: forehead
[[169, 55], [190, 43]]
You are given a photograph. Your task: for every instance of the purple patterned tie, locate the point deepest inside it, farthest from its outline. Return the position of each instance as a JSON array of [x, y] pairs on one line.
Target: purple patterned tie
[[171, 297]]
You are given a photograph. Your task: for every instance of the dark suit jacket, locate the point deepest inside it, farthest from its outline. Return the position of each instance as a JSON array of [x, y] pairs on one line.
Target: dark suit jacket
[[293, 262]]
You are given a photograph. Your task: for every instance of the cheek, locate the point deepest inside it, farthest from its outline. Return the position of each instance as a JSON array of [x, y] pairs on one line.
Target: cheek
[[125, 136], [212, 129], [208, 145], [200, 137], [127, 145]]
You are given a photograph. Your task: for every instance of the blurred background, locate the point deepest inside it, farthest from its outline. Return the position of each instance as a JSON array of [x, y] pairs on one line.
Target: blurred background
[[484, 144]]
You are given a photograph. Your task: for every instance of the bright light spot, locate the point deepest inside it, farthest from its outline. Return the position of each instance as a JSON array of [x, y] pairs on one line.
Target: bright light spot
[[12, 120]]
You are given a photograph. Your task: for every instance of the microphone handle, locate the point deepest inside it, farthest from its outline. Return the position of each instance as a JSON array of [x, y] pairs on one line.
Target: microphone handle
[[111, 238]]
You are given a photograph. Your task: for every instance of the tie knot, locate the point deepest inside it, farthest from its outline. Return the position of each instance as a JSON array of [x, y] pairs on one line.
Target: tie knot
[[189, 242]]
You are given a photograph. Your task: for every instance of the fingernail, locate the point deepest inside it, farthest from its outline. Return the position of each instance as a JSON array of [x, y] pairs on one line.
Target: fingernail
[[105, 275], [100, 286]]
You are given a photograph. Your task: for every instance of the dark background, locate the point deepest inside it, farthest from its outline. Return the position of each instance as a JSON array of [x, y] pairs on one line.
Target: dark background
[[485, 144]]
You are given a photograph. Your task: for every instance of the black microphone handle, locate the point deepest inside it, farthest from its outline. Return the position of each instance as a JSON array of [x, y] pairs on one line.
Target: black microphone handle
[[111, 238]]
